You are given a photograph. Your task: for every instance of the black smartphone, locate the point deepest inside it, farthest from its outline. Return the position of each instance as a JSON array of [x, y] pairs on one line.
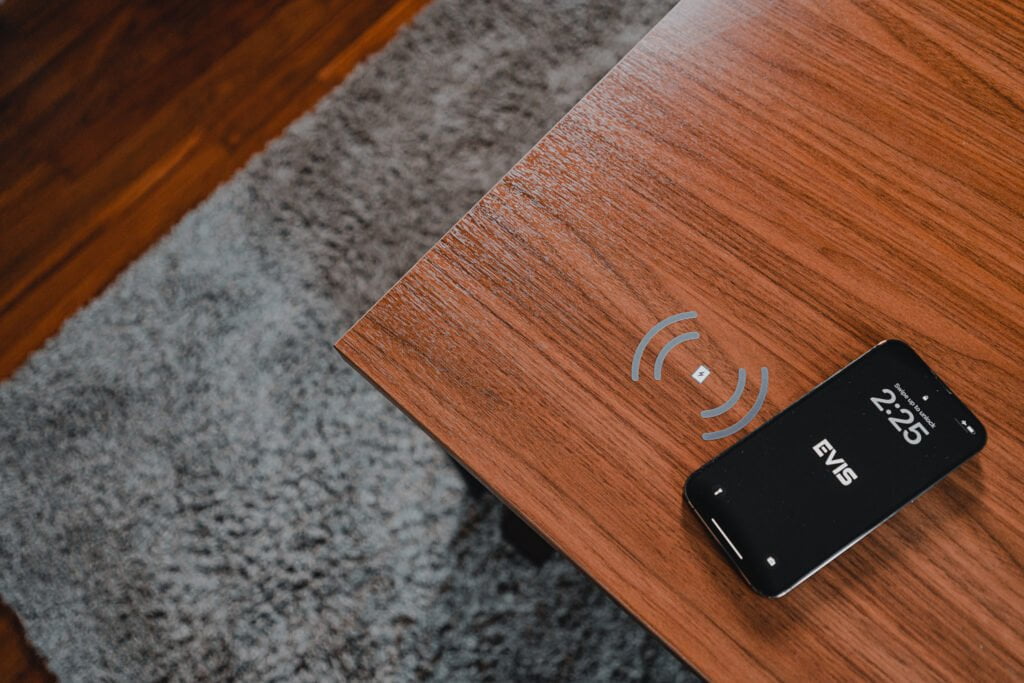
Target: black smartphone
[[819, 476]]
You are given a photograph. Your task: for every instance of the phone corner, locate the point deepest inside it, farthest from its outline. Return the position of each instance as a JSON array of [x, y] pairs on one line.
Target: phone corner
[[688, 489], [895, 342], [763, 590]]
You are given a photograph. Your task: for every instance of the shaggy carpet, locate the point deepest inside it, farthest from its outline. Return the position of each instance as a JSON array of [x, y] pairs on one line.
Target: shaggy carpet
[[193, 484]]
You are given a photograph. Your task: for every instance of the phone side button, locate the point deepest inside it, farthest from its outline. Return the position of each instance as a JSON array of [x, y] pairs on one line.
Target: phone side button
[[727, 539]]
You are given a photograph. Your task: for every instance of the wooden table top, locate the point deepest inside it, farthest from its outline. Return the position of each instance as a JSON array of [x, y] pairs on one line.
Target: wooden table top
[[811, 178]]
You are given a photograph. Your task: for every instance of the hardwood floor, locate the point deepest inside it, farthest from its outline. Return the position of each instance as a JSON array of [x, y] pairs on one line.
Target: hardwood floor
[[118, 117], [18, 660]]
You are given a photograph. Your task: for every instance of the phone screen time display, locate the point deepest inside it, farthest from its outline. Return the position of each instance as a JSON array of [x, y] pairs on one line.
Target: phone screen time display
[[813, 480]]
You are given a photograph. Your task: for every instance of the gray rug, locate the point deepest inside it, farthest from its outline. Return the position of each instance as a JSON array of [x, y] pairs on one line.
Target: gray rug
[[193, 484]]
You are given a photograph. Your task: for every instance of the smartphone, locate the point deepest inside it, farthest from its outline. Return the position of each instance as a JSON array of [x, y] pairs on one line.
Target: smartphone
[[794, 494]]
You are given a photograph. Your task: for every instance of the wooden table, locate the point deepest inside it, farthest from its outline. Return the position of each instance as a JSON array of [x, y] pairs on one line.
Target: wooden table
[[811, 178]]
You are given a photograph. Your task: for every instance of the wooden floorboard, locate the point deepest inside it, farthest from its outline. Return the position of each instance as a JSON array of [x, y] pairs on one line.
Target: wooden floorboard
[[118, 117], [18, 660]]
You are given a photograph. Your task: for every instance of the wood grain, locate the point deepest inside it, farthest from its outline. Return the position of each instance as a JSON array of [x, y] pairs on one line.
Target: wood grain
[[120, 116], [811, 178]]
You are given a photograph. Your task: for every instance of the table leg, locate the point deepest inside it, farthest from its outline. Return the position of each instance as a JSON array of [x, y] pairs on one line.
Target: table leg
[[515, 531], [524, 539]]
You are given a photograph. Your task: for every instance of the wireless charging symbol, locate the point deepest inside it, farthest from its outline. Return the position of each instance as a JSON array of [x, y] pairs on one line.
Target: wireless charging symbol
[[700, 375], [741, 382]]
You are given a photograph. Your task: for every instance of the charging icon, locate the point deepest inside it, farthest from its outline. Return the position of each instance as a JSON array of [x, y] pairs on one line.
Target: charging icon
[[701, 374]]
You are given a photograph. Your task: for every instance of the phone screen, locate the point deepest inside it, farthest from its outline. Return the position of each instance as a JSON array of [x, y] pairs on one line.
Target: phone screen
[[820, 475]]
